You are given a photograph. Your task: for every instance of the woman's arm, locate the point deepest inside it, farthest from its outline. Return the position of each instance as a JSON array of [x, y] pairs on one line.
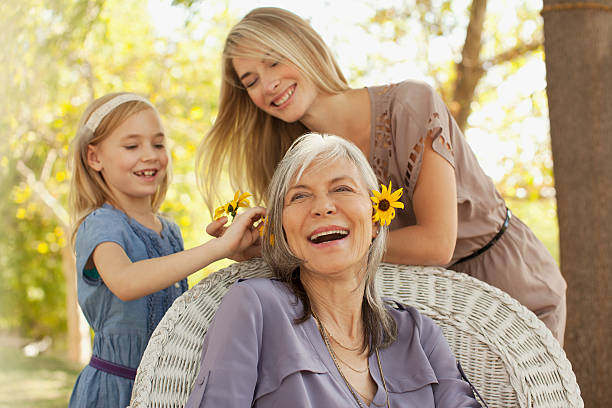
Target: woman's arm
[[230, 354], [132, 280], [431, 241], [451, 390]]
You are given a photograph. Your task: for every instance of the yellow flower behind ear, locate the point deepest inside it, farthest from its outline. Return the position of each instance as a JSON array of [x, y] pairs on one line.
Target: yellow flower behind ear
[[385, 203]]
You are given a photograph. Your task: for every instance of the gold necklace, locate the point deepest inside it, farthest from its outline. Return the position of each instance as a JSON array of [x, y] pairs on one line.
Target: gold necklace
[[367, 367], [333, 356], [340, 344]]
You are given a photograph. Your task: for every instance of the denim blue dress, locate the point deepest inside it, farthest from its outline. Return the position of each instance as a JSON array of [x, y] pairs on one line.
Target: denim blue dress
[[122, 329]]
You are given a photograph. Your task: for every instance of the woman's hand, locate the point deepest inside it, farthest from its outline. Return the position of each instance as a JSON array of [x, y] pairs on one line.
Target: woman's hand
[[241, 237]]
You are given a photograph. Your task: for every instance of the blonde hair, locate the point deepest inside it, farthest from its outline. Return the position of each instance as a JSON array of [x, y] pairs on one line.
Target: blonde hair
[[88, 189], [244, 141], [316, 149]]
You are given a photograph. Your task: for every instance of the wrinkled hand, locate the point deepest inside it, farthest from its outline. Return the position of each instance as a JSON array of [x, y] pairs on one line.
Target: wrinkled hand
[[241, 238]]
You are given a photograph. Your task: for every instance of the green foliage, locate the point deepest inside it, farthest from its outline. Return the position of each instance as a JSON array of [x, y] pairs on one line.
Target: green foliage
[[59, 55], [541, 217]]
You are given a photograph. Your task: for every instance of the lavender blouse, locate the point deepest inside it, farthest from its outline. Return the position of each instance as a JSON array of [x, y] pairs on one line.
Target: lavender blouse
[[254, 355]]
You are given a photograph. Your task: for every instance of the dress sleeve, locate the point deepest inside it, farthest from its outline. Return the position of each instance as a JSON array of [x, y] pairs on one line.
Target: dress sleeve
[[451, 390], [102, 225], [230, 353], [418, 113]]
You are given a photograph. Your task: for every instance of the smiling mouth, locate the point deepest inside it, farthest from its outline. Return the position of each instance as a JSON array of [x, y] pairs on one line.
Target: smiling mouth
[[328, 236], [145, 173], [284, 98]]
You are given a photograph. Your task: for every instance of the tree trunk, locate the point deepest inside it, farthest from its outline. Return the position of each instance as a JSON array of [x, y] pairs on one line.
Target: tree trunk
[[79, 340], [469, 70], [578, 46]]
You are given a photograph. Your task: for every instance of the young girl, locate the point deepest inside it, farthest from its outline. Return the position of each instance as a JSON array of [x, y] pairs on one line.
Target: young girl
[[130, 261], [281, 80]]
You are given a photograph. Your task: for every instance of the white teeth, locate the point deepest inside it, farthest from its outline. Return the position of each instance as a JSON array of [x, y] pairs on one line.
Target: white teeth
[[284, 98], [320, 234], [146, 173]]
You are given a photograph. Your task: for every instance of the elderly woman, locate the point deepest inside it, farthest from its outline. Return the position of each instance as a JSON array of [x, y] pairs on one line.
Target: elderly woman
[[319, 334]]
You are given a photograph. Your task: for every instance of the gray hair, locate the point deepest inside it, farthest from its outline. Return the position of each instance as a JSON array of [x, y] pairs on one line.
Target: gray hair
[[314, 148]]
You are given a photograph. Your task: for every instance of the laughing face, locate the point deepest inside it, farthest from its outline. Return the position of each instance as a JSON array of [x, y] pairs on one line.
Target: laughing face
[[276, 87], [327, 219], [133, 159]]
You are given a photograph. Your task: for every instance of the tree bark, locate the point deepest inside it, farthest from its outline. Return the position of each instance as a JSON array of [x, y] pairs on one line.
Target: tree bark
[[578, 46], [79, 339], [469, 70]]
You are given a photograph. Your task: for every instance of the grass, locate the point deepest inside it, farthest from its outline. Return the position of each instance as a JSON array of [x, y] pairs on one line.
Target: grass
[[36, 382]]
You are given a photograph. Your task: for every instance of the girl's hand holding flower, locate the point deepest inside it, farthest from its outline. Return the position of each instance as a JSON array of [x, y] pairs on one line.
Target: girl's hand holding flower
[[241, 237]]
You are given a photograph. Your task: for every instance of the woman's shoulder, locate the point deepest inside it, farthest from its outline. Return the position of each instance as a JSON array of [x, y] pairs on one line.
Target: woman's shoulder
[[408, 91], [268, 290], [417, 337], [411, 323]]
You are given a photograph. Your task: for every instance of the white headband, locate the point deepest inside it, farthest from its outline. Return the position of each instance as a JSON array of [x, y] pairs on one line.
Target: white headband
[[96, 117]]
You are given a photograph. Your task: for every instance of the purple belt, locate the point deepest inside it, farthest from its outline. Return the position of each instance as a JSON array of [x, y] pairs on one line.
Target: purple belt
[[113, 368]]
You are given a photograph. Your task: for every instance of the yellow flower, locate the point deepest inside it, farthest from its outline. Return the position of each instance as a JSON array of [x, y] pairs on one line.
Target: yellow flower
[[219, 212], [385, 204], [240, 200], [262, 229]]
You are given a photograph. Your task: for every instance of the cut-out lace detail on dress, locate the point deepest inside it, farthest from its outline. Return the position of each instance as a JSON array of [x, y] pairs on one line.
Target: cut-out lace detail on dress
[[382, 143], [386, 88], [414, 159], [442, 139]]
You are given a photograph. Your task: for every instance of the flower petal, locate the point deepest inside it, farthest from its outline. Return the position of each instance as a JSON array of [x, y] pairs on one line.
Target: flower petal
[[383, 190], [396, 194]]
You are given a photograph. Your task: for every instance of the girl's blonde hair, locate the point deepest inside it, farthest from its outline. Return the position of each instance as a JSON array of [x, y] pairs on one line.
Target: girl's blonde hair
[[88, 189], [244, 141], [314, 149]]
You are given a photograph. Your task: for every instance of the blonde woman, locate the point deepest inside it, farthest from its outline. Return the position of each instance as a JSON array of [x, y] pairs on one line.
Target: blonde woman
[[280, 80]]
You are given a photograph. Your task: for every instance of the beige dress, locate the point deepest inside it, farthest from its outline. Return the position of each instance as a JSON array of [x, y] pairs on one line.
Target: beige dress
[[403, 115]]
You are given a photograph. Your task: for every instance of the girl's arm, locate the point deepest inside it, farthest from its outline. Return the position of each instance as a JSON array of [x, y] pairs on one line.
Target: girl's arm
[[132, 280], [431, 241]]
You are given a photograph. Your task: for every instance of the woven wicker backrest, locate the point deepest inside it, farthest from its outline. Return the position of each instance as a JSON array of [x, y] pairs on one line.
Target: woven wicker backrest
[[506, 352]]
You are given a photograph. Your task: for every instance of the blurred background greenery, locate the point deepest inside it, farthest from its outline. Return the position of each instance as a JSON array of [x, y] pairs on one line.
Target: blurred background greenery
[[58, 55]]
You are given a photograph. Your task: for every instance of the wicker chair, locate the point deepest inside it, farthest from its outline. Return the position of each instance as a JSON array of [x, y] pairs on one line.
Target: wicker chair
[[508, 354]]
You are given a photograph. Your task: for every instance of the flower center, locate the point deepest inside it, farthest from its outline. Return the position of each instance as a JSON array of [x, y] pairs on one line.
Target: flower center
[[384, 205]]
